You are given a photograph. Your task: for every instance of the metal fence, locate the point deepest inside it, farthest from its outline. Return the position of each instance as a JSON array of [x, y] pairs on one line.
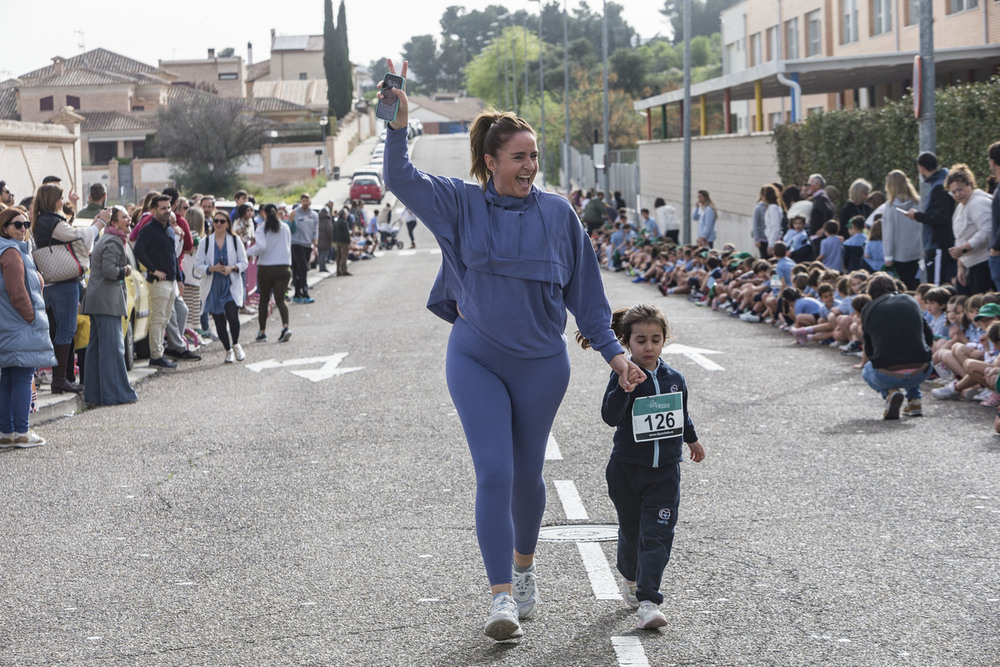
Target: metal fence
[[623, 175]]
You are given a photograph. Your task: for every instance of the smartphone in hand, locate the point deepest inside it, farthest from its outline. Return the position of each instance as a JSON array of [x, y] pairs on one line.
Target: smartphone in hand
[[388, 108]]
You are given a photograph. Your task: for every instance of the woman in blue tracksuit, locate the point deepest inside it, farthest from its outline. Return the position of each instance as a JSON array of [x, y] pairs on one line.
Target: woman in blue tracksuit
[[513, 260], [644, 471]]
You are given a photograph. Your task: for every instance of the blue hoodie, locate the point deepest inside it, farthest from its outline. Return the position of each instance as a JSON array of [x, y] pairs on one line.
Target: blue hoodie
[[511, 266]]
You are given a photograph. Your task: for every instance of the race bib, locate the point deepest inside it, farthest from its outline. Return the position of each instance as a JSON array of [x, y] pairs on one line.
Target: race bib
[[655, 417]]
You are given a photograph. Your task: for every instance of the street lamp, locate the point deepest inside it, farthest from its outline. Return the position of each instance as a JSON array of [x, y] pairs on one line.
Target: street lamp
[[567, 168], [541, 84], [501, 19], [323, 121]]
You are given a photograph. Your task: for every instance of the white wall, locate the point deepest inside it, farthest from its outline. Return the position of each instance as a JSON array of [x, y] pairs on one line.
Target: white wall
[[732, 168]]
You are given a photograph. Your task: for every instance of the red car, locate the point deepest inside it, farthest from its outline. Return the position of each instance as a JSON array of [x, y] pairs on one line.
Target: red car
[[366, 188]]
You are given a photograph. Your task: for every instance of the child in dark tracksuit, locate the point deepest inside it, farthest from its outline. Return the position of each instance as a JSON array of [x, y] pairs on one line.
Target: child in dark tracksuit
[[644, 471]]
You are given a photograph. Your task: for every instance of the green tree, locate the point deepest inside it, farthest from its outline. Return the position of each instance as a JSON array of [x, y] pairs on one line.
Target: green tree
[[422, 55], [344, 92], [704, 16], [206, 138], [330, 57]]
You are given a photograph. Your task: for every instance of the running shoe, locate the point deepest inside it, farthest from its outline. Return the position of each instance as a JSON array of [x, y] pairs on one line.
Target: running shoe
[[750, 317], [650, 616], [240, 354], [946, 393], [991, 401], [6, 439], [628, 592], [261, 338], [230, 357], [285, 335], [893, 402], [525, 592], [913, 408], [502, 623], [801, 335]]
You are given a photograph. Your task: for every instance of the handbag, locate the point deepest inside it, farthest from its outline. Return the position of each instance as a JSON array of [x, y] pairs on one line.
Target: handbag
[[62, 261]]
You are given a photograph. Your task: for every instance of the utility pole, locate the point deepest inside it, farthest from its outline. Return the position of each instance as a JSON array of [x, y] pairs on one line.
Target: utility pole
[[925, 95], [686, 125], [607, 124], [567, 166]]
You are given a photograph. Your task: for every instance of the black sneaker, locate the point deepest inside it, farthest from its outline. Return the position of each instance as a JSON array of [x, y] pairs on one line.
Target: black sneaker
[[285, 335], [188, 355], [261, 338], [162, 362]]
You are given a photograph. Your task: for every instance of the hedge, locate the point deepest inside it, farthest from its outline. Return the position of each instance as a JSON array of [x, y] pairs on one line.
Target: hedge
[[847, 144]]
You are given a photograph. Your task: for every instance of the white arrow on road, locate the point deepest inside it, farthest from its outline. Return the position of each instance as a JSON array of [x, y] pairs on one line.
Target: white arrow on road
[[695, 354], [329, 368]]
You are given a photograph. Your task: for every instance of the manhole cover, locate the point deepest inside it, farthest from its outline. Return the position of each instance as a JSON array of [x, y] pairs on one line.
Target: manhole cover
[[579, 533]]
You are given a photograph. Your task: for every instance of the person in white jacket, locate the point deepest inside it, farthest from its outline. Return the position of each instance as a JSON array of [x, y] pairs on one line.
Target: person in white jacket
[[972, 223], [221, 259]]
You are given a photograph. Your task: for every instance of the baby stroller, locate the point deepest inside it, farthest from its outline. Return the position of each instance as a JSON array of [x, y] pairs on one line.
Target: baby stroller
[[387, 236]]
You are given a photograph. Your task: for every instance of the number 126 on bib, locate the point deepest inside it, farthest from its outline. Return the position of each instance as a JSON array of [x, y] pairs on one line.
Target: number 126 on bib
[[655, 417]]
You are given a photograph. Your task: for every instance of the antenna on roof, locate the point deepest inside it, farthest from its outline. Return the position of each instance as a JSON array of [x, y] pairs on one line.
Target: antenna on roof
[[81, 43]]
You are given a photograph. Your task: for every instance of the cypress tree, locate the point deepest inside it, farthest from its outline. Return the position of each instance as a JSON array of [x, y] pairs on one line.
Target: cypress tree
[[330, 57], [344, 93]]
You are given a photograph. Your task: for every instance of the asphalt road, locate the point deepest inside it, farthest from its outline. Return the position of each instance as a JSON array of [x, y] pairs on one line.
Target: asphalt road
[[257, 517]]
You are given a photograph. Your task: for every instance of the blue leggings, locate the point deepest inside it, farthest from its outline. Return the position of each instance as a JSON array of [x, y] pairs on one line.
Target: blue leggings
[[507, 405]]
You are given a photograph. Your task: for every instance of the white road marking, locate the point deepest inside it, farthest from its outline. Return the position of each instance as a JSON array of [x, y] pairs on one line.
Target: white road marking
[[571, 501], [552, 452], [629, 652], [325, 372], [407, 253], [601, 580], [695, 354]]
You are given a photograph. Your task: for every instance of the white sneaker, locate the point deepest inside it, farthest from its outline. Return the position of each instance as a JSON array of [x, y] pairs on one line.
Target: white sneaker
[[502, 623], [6, 439], [525, 592], [230, 356], [650, 616], [29, 439], [628, 592], [945, 393], [240, 354], [983, 394]]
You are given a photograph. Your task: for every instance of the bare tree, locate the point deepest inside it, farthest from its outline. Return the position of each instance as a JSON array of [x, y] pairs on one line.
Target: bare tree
[[207, 138]]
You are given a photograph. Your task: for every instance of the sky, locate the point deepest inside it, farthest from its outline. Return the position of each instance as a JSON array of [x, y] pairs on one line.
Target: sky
[[189, 28]]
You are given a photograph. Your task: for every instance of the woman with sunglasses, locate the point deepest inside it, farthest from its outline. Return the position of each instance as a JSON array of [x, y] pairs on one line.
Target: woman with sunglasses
[[104, 301], [24, 330], [221, 259]]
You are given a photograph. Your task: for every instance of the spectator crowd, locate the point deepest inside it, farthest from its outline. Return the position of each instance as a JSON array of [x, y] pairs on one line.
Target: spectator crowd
[[849, 278], [64, 270]]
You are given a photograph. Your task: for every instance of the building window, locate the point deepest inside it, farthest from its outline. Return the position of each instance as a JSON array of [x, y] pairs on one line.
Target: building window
[[911, 12], [849, 21], [881, 17], [772, 43], [792, 39], [956, 6], [814, 41], [303, 76], [45, 104], [73, 101], [755, 56], [774, 119], [228, 76], [102, 152], [138, 150], [138, 108]]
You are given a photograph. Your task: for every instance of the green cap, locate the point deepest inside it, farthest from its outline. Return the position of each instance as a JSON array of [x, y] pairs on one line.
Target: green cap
[[988, 310]]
